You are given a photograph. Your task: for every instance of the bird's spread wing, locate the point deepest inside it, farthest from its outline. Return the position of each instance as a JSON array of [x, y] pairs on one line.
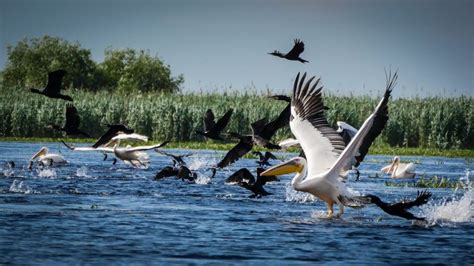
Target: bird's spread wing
[[222, 123], [55, 79], [101, 149], [209, 123], [372, 127], [72, 117], [145, 148], [421, 198], [112, 132], [269, 155], [239, 150], [133, 136], [346, 131], [281, 121], [285, 144], [258, 126], [241, 175], [309, 125], [298, 48]]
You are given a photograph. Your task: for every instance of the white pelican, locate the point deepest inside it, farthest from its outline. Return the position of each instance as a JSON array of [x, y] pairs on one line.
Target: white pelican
[[399, 170], [45, 158], [135, 156], [346, 131], [328, 158]]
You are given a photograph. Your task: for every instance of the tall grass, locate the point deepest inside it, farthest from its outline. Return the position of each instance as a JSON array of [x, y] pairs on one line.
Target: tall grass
[[429, 122]]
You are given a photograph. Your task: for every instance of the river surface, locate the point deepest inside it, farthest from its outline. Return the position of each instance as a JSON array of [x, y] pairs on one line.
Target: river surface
[[90, 211]]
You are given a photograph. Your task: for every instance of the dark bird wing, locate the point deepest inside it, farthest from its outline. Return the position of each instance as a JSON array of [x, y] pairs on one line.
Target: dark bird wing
[[72, 117], [269, 155], [209, 123], [222, 123], [166, 172], [262, 180], [259, 154], [258, 126], [55, 79], [184, 172], [241, 175], [379, 120], [298, 48], [112, 132], [421, 198], [239, 150], [281, 121]]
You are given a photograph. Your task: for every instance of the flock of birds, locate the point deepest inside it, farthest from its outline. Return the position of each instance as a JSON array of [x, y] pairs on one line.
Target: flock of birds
[[327, 155]]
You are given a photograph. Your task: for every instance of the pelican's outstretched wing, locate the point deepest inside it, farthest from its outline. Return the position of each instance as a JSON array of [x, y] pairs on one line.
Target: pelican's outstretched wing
[[87, 148], [145, 148], [319, 141], [372, 127], [113, 131], [133, 136]]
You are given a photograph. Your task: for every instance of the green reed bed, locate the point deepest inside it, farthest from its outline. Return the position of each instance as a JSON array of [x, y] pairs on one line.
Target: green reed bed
[[437, 123], [431, 182]]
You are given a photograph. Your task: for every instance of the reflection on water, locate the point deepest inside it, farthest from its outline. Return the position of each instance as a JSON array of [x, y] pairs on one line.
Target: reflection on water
[[91, 211]]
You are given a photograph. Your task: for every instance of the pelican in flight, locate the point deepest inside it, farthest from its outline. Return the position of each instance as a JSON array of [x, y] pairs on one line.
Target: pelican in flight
[[293, 54], [399, 170], [47, 159], [135, 156], [53, 88], [328, 158]]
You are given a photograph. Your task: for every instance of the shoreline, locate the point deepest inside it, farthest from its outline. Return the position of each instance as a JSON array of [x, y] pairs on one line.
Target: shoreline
[[208, 145]]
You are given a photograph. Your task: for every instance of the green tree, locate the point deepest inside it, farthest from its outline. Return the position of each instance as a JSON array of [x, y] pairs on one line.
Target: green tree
[[30, 60], [129, 70]]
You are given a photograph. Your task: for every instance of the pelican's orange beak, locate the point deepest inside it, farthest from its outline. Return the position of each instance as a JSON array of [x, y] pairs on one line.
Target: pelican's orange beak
[[290, 166]]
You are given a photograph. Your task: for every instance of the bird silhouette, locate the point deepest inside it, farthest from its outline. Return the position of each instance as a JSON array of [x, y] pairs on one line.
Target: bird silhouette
[[71, 127], [245, 179], [263, 158], [53, 88], [293, 54], [213, 129], [400, 208]]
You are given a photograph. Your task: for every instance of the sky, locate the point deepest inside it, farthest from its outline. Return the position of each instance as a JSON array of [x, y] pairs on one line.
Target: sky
[[222, 45]]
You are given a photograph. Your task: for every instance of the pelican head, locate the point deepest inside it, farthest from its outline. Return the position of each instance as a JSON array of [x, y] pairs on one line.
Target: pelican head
[[42, 152], [291, 166], [394, 164]]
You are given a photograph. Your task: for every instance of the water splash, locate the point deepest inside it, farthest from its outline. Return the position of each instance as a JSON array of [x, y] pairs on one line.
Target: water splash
[[202, 179], [198, 162], [82, 172], [293, 195], [7, 172], [454, 210], [48, 173], [20, 187]]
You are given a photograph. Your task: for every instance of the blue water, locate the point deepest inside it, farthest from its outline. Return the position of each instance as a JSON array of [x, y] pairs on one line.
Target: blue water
[[91, 211]]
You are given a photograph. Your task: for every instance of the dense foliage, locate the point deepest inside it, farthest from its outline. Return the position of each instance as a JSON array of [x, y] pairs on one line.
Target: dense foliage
[[429, 123], [30, 60]]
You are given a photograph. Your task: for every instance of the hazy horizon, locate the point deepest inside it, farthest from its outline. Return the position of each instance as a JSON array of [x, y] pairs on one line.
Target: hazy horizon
[[223, 45]]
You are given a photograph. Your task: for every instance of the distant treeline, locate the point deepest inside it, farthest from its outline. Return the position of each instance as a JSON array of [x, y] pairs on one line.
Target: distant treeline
[[429, 122], [126, 70]]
